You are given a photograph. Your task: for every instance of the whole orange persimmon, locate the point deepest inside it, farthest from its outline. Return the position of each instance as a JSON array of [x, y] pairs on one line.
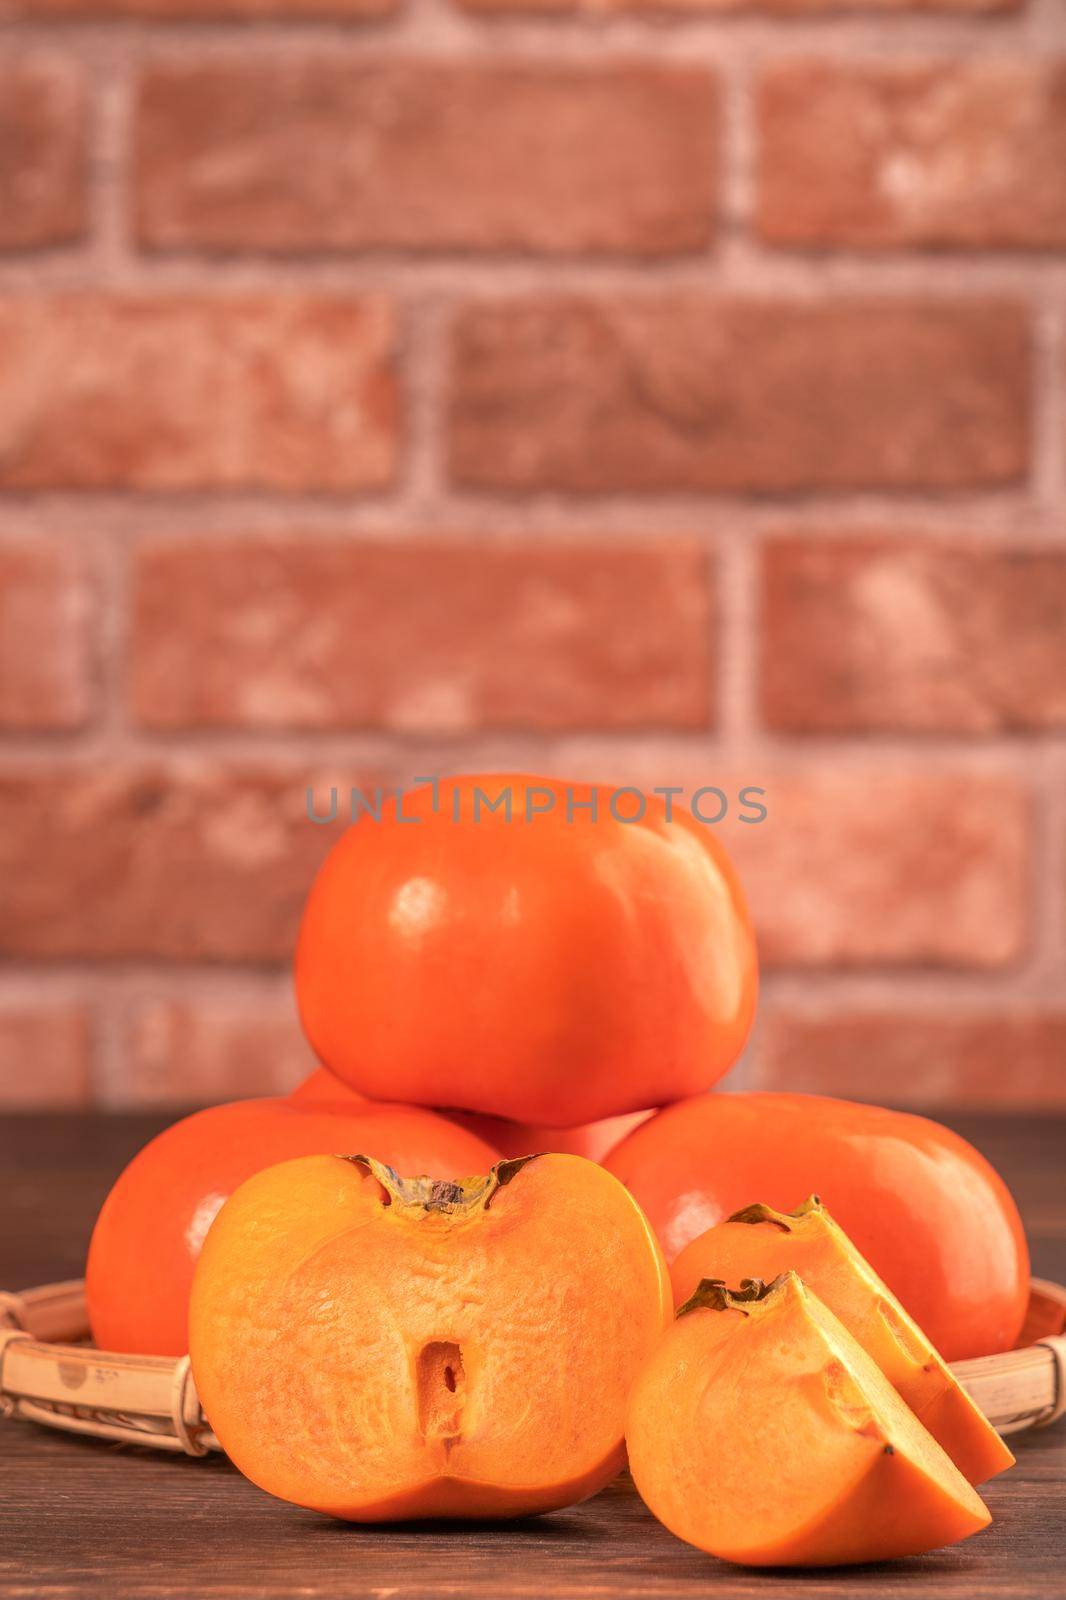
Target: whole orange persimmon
[[928, 1212], [587, 955], [381, 1347], [152, 1225]]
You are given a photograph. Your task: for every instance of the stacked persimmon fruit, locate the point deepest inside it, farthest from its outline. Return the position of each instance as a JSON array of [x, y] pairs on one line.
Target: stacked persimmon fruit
[[397, 1311]]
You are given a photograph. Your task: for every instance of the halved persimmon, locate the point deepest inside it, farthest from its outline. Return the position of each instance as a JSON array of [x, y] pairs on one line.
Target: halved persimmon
[[761, 1431], [380, 1348], [760, 1242]]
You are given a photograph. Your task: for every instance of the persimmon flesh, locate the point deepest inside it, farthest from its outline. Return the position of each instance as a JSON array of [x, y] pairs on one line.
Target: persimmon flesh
[[383, 1348], [760, 1430], [925, 1208], [761, 1243], [153, 1223], [553, 967]]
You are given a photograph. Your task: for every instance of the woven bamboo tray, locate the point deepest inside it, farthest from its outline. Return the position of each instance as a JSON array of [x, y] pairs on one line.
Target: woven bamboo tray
[[48, 1374]]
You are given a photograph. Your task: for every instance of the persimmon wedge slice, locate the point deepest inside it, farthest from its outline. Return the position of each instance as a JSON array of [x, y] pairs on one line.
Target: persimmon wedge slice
[[760, 1242], [761, 1431], [381, 1348]]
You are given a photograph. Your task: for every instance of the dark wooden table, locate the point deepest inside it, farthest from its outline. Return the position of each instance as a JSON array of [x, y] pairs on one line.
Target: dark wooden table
[[84, 1517]]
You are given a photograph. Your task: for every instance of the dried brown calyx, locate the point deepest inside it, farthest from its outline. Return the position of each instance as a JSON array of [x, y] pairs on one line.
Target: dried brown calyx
[[440, 1196], [760, 1213], [713, 1294]]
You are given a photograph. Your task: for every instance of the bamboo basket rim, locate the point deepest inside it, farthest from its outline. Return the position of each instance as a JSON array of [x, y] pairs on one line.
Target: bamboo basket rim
[[51, 1375]]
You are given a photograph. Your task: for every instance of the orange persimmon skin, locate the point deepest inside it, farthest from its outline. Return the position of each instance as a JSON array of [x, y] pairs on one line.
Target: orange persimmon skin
[[928, 1212], [151, 1227], [592, 1139], [554, 971], [381, 1348]]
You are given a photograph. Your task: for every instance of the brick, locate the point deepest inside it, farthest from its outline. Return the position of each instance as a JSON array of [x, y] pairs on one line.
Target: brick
[[443, 637], [887, 868], [971, 154], [671, 10], [43, 141], [306, 153], [209, 1048], [210, 861], [194, 861], [890, 634], [857, 864], [1061, 376], [644, 394], [45, 1055], [169, 392], [1004, 1057], [860, 864], [46, 627], [198, 10]]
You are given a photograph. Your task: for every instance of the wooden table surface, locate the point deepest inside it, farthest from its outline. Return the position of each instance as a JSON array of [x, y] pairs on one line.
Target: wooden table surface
[[80, 1516]]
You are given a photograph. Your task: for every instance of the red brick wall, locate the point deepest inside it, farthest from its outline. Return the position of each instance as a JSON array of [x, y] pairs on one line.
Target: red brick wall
[[671, 393]]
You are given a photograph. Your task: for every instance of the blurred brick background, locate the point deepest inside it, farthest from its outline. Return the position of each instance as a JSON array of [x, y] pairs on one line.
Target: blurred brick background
[[671, 393]]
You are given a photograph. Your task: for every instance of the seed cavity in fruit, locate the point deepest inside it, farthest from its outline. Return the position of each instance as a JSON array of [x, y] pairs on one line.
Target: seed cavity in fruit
[[847, 1398], [441, 1381]]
